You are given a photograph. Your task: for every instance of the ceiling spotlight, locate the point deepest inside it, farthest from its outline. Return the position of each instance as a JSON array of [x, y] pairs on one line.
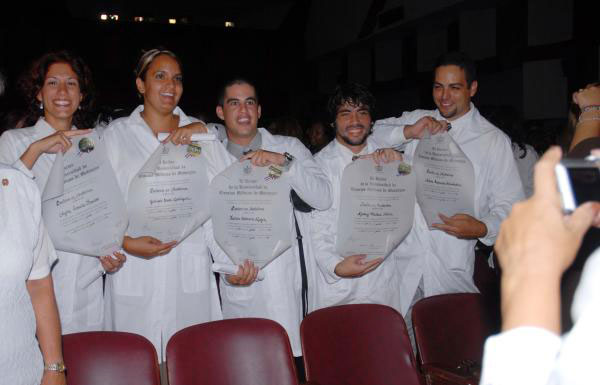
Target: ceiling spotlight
[[103, 16], [139, 19], [113, 17], [172, 21], [229, 24]]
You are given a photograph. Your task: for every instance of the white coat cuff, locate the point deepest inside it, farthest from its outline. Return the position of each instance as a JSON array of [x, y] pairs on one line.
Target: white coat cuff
[[21, 167], [490, 237], [397, 135], [525, 355], [293, 170], [329, 264]]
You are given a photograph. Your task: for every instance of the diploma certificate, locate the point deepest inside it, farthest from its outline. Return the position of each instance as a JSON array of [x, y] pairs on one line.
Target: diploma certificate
[[445, 178], [251, 212], [168, 198], [377, 205], [82, 205]]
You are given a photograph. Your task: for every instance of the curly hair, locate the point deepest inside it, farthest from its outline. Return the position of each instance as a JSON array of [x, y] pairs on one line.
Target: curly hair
[[32, 81], [354, 94]]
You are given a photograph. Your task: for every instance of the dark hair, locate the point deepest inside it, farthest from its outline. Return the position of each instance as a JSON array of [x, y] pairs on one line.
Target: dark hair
[[352, 93], [32, 81], [461, 60], [234, 81]]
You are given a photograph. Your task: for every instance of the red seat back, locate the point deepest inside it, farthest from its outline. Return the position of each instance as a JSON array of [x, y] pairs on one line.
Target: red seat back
[[244, 351], [116, 358], [357, 344], [451, 328]]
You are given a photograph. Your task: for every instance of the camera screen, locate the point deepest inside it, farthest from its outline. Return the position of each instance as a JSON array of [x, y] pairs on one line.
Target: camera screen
[[585, 182]]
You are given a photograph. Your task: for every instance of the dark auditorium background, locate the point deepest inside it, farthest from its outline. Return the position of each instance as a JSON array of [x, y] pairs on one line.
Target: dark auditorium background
[[531, 54]]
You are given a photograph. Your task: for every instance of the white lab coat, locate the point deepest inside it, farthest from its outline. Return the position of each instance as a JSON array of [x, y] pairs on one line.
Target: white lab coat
[[379, 286], [535, 356], [444, 262], [81, 309], [26, 254], [278, 296], [157, 297]]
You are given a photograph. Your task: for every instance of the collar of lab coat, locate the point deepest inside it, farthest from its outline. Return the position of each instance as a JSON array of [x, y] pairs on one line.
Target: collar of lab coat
[[346, 153], [469, 126], [135, 119], [43, 128]]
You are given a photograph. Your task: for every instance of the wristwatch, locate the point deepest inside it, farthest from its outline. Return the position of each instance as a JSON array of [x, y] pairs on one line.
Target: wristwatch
[[55, 367], [289, 158]]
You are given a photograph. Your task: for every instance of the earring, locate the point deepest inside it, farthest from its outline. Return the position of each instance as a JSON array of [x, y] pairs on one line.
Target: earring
[[79, 107], [41, 106]]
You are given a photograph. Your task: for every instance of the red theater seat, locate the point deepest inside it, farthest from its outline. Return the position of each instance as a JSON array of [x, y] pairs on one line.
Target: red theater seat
[[116, 358], [244, 351], [450, 331], [356, 345]]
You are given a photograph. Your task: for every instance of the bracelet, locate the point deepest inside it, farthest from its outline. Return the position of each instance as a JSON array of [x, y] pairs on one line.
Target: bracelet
[[590, 108], [58, 367]]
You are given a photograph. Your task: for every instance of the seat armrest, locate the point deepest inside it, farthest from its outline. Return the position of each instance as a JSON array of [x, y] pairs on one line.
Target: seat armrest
[[442, 375]]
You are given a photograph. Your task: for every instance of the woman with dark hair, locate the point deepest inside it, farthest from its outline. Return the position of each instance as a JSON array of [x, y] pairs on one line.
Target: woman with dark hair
[[59, 92], [165, 286]]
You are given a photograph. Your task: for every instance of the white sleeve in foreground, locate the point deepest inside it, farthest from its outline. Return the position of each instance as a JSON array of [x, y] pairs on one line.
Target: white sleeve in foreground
[[525, 355]]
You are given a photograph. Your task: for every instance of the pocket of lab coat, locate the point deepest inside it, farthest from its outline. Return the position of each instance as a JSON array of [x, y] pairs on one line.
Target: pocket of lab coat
[[129, 280], [235, 293], [195, 268]]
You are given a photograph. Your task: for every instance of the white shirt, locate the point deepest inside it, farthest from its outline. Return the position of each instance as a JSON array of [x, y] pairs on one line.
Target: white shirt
[[379, 286], [536, 356], [278, 295], [445, 262], [159, 296], [80, 308], [26, 253]]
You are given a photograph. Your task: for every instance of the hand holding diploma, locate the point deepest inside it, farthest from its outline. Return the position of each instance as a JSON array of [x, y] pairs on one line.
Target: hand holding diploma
[[462, 226], [58, 142], [263, 158], [426, 124], [246, 275], [356, 266], [112, 263], [147, 246], [187, 134], [383, 156]]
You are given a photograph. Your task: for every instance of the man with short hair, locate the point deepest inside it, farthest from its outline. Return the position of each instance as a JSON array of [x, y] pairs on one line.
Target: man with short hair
[[443, 259], [352, 279], [279, 295]]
